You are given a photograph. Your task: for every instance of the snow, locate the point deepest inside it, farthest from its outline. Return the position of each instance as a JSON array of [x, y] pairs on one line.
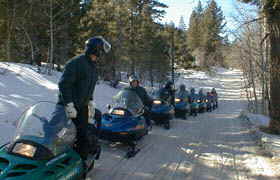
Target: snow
[[21, 86], [258, 119]]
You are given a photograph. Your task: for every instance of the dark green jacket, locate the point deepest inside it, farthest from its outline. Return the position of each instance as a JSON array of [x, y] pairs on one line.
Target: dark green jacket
[[142, 93], [78, 81]]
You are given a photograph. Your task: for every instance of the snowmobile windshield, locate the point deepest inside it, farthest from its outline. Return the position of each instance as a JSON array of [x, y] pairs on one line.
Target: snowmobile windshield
[[129, 100], [181, 94], [162, 94], [46, 124]]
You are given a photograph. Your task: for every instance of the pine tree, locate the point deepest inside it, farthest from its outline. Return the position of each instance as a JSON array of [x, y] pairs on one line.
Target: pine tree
[[195, 28], [213, 24], [182, 24]]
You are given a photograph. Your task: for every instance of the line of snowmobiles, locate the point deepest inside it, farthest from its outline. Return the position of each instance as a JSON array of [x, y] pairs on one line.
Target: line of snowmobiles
[[193, 104], [43, 146]]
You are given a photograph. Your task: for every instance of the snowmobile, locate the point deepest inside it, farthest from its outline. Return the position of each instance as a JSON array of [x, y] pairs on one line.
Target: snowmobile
[[194, 106], [202, 106], [215, 101], [209, 102], [182, 107], [43, 147], [124, 122], [162, 111]]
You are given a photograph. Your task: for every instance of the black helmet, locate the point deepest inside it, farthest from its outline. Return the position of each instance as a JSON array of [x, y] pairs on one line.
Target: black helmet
[[133, 78], [169, 85], [182, 87], [192, 90], [96, 46]]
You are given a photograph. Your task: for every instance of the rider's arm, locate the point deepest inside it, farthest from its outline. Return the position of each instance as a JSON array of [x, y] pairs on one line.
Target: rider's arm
[[67, 82]]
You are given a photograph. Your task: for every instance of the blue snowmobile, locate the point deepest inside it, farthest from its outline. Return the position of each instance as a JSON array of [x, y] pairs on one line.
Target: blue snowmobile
[[202, 101], [194, 103], [215, 97], [43, 147], [182, 106], [124, 122], [162, 111], [209, 102]]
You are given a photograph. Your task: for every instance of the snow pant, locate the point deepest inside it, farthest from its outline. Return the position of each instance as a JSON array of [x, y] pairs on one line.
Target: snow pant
[[147, 115], [81, 123]]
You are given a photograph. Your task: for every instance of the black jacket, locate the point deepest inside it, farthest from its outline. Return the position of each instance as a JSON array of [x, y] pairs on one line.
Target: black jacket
[[78, 81], [142, 93]]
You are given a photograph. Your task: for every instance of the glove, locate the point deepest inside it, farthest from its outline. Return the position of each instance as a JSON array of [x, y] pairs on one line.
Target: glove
[[71, 111], [91, 109]]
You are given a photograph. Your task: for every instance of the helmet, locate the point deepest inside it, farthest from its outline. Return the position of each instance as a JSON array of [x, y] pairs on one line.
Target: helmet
[[96, 46], [133, 78], [182, 87], [192, 90], [169, 85], [213, 90], [201, 91]]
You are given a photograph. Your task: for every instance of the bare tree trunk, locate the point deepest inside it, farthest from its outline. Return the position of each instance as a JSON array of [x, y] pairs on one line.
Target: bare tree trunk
[[51, 35], [30, 42], [10, 26]]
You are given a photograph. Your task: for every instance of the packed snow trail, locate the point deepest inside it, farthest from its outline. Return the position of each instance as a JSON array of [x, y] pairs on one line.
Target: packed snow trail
[[216, 145]]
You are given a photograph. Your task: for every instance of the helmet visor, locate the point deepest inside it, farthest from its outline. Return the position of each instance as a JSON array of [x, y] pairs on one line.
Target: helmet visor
[[106, 46]]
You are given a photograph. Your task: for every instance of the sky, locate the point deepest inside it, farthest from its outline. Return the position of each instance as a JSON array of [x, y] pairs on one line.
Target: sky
[[178, 8]]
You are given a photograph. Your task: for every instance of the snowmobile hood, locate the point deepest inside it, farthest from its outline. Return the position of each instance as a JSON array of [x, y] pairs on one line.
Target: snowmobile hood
[[65, 166]]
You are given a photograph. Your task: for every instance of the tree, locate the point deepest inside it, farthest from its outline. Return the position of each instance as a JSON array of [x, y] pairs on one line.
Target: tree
[[182, 25], [213, 24], [195, 28], [270, 11]]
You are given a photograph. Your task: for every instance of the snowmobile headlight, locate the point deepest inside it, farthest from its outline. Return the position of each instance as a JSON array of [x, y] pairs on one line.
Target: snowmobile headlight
[[118, 112], [140, 126], [206, 100], [198, 101], [157, 102], [123, 133], [177, 100], [24, 149]]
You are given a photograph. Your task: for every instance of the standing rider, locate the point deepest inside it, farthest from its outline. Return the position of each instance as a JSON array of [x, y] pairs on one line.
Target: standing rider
[[76, 87]]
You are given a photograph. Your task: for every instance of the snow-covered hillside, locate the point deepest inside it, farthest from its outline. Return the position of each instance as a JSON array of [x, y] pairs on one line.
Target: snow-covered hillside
[[21, 86]]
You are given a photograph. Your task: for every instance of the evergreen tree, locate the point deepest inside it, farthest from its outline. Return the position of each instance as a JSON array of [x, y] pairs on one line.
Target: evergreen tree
[[182, 25], [213, 24], [195, 28]]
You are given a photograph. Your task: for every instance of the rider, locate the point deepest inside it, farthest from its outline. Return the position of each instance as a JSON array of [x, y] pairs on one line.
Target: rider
[[192, 96], [215, 95], [134, 85], [76, 87], [167, 92], [183, 93], [201, 95]]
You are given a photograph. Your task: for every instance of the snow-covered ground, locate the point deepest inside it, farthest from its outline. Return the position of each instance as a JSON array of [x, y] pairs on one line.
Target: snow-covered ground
[[21, 86]]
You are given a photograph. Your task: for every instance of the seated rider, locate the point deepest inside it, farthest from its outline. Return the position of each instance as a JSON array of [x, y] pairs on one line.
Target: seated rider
[[167, 92], [183, 93], [201, 96], [215, 95], [134, 85], [192, 97]]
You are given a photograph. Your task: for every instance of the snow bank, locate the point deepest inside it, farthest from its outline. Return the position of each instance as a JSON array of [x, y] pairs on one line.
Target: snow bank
[[21, 87]]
